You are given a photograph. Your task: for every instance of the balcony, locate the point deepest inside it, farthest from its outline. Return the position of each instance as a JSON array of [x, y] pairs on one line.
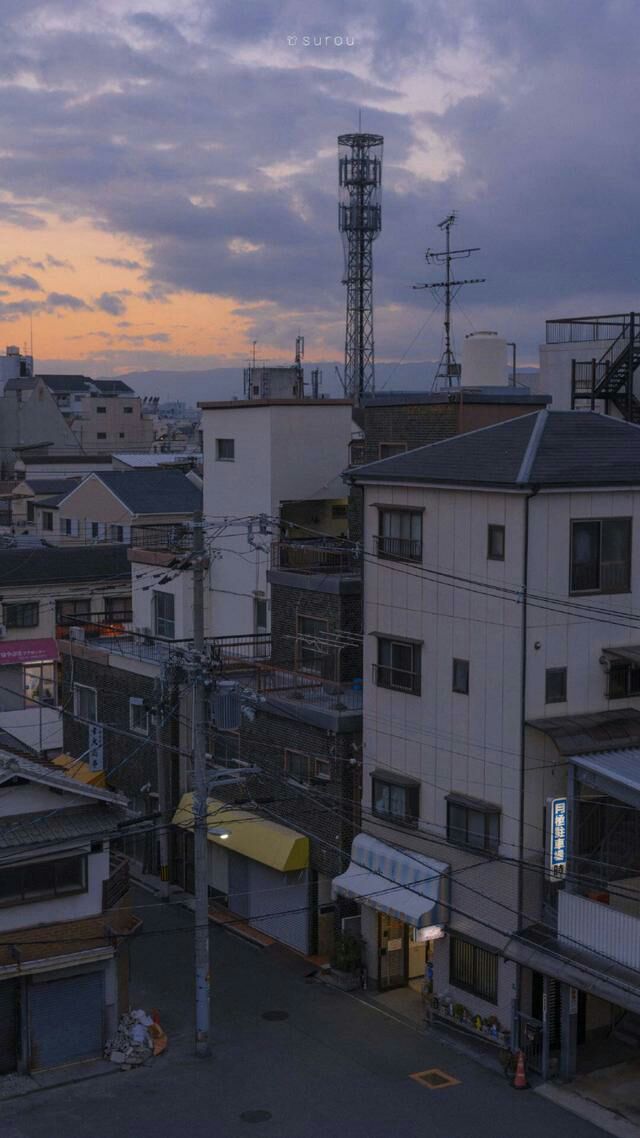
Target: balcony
[[119, 638], [587, 329], [398, 548], [326, 703], [315, 556], [599, 927], [174, 538]]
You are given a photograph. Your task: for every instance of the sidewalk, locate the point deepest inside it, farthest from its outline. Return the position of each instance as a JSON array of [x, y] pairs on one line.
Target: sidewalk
[[16, 1086]]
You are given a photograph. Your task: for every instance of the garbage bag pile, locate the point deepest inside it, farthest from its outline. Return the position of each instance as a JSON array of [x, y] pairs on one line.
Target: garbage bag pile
[[138, 1038]]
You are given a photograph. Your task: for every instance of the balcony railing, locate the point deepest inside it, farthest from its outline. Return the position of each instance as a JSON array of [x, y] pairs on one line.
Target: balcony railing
[[398, 548], [601, 577], [600, 928], [314, 691], [121, 639], [397, 679], [314, 557], [176, 538], [116, 886], [97, 624]]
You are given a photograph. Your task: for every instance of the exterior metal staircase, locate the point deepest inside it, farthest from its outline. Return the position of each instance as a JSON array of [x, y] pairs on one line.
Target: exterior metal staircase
[[610, 378]]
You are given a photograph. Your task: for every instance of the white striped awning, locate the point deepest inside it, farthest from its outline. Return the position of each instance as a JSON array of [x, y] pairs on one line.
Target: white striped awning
[[403, 884]]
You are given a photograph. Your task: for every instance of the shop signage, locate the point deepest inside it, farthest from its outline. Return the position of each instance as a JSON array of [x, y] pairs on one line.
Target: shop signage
[[558, 837], [96, 747]]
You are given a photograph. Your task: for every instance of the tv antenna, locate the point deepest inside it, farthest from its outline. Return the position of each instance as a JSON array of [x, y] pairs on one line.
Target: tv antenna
[[448, 371]]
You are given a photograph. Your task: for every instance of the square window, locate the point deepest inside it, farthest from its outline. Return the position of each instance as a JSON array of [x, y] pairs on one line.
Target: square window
[[601, 556], [297, 765], [85, 702], [128, 410], [400, 801], [102, 434], [555, 687], [399, 535], [495, 543], [474, 969], [387, 450], [461, 676], [22, 616], [398, 665], [475, 826], [225, 450], [101, 410]]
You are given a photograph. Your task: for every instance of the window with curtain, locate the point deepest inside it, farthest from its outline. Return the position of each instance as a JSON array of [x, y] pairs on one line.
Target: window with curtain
[[400, 535]]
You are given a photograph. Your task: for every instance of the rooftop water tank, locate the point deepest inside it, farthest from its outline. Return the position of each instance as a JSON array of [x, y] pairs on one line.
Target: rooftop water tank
[[484, 360]]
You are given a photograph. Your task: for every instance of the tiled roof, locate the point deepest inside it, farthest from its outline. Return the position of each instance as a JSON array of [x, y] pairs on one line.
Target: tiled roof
[[47, 565], [42, 486], [547, 448], [113, 387], [65, 938], [66, 384], [97, 819], [153, 491]]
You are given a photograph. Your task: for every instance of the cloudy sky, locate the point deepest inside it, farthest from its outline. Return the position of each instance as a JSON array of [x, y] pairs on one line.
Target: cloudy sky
[[168, 181]]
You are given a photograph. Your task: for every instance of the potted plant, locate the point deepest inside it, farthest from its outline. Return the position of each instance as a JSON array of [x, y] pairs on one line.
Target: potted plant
[[346, 962]]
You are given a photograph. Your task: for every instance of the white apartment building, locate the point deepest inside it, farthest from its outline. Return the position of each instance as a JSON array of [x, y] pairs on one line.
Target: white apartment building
[[500, 586], [260, 454]]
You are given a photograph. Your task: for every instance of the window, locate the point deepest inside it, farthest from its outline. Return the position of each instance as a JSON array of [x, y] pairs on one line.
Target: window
[[101, 410], [26, 615], [164, 618], [117, 533], [118, 608], [304, 768], [138, 716], [398, 665], [85, 703], [474, 969], [225, 450], [101, 435], [31, 512], [473, 824], [40, 683], [555, 685], [400, 534], [121, 434], [311, 645], [66, 611], [41, 879], [624, 681], [128, 410], [387, 450], [396, 799], [495, 543], [260, 615], [95, 530], [601, 556], [461, 676], [47, 520]]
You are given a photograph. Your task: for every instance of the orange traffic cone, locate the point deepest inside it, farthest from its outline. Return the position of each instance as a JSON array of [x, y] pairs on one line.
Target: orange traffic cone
[[520, 1079]]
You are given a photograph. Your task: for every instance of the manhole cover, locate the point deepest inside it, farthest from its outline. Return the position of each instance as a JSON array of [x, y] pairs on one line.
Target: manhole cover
[[255, 1115], [274, 1015]]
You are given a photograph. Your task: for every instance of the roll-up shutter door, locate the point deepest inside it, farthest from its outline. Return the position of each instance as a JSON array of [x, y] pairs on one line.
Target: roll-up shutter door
[[66, 1020], [8, 1026]]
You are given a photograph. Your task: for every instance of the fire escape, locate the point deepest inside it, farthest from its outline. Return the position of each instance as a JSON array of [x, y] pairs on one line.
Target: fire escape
[[608, 379]]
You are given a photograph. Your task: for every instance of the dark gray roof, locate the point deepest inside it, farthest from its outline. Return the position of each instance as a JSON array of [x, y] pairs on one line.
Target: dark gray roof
[[592, 732], [113, 387], [66, 384], [43, 486], [94, 820], [44, 566], [547, 448], [153, 491]]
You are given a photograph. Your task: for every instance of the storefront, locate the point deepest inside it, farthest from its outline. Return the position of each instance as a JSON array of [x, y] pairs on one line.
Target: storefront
[[258, 869], [403, 898]]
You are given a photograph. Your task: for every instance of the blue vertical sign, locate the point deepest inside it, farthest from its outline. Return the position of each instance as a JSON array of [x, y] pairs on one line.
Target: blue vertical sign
[[558, 828]]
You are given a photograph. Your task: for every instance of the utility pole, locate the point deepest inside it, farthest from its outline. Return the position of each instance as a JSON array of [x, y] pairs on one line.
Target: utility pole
[[163, 791], [200, 801], [448, 371]]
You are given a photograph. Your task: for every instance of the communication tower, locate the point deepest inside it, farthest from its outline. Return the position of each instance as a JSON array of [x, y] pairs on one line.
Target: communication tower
[[359, 221]]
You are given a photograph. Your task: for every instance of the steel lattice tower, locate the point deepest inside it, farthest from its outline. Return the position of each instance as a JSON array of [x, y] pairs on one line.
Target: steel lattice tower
[[359, 221]]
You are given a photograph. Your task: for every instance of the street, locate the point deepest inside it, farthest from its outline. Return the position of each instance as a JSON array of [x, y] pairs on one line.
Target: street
[[333, 1066]]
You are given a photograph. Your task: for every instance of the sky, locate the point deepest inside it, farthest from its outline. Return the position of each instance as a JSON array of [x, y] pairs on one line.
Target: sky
[[168, 178]]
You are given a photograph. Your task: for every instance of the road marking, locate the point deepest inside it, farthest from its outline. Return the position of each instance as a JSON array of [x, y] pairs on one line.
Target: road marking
[[435, 1079]]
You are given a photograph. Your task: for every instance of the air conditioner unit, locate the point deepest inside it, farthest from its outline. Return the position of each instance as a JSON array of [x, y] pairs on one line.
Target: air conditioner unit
[[3, 631], [77, 633], [351, 926]]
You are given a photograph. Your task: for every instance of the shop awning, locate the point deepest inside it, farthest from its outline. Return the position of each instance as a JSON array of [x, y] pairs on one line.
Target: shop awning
[[27, 651], [80, 771], [401, 883], [249, 834], [537, 949]]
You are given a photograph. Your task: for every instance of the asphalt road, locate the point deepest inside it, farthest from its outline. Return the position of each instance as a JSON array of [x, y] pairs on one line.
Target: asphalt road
[[334, 1068]]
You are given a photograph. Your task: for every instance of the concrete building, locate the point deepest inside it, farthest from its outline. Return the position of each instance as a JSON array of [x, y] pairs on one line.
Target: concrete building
[[42, 592], [13, 365], [499, 591], [590, 363], [258, 455], [65, 917]]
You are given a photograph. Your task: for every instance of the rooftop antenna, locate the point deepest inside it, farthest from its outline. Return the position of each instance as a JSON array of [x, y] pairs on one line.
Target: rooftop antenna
[[448, 371], [359, 221], [254, 342]]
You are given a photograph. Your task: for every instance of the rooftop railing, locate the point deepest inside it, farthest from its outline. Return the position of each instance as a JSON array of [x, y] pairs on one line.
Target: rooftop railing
[[586, 329], [170, 538], [308, 689], [120, 638]]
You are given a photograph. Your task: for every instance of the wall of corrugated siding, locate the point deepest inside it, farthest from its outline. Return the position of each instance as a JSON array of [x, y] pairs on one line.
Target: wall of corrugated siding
[[599, 928]]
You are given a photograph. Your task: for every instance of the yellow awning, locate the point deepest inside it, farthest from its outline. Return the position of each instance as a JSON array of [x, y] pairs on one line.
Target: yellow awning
[[249, 834], [80, 771]]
